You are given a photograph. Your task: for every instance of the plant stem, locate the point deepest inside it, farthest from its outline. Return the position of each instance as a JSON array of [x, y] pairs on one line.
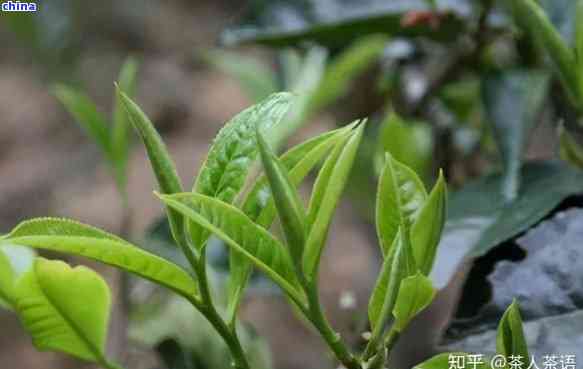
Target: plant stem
[[210, 312], [390, 340], [331, 337]]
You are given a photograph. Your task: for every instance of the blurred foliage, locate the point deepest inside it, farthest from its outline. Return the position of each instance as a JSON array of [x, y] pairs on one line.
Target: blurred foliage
[[333, 23]]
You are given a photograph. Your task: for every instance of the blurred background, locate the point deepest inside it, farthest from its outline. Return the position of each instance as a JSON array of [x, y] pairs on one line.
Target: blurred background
[[451, 84]]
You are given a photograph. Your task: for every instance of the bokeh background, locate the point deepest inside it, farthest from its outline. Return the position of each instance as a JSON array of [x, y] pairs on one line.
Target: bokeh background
[[450, 72]]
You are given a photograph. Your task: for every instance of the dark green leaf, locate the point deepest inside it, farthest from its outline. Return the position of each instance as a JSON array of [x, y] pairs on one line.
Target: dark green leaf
[[512, 101], [334, 23], [547, 256], [162, 164], [79, 239], [479, 218], [415, 294], [325, 197]]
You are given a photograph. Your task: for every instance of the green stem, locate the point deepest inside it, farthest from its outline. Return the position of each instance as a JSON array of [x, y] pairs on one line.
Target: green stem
[[391, 339], [208, 309], [332, 338]]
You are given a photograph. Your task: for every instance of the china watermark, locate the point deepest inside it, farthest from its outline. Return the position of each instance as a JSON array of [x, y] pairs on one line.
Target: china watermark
[[18, 6]]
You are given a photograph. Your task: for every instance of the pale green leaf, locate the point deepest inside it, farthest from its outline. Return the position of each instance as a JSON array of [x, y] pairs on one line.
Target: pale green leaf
[[259, 204], [240, 233], [400, 198], [292, 213], [75, 238], [120, 142], [65, 309], [415, 294], [397, 265], [510, 339], [162, 164], [325, 197], [428, 227], [234, 150], [87, 116]]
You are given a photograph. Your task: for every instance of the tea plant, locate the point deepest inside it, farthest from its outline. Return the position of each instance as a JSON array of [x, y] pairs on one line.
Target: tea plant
[[67, 309]]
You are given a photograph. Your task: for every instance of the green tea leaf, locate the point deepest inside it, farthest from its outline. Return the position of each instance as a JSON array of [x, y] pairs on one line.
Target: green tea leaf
[[400, 199], [415, 294], [240, 233], [428, 227], [325, 197], [120, 142], [87, 116], [397, 265], [224, 172], [75, 238], [65, 309], [291, 211], [570, 150], [532, 17], [510, 339], [260, 207], [160, 159]]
